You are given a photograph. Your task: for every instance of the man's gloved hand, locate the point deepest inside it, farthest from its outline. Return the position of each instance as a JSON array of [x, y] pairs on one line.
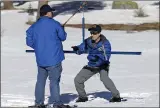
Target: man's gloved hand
[[75, 48]]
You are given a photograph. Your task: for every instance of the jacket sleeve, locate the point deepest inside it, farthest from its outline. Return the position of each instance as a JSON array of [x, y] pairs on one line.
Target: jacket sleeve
[[105, 53], [81, 48], [29, 37], [106, 50], [61, 32]]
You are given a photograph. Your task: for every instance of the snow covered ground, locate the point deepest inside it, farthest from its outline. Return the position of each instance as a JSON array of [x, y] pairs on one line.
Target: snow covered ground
[[136, 77], [108, 15]]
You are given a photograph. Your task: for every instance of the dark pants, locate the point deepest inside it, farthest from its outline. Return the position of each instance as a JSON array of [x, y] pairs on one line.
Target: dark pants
[[88, 72]]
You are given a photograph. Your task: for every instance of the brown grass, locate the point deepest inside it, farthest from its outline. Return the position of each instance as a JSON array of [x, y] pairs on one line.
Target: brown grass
[[30, 22], [8, 9], [130, 27], [140, 27]]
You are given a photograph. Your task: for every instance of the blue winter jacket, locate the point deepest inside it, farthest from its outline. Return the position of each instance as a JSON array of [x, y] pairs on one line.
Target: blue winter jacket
[[98, 54], [45, 36]]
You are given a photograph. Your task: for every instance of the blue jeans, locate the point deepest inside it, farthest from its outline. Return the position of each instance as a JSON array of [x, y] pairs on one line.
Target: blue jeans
[[54, 75]]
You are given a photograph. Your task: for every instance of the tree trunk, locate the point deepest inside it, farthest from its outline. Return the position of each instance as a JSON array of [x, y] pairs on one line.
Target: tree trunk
[[8, 5], [40, 3]]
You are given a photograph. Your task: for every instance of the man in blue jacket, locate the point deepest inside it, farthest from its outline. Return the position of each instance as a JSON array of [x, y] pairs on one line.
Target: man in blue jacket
[[99, 52], [45, 36]]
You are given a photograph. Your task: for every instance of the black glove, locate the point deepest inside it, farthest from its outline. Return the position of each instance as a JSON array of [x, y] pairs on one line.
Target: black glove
[[75, 48]]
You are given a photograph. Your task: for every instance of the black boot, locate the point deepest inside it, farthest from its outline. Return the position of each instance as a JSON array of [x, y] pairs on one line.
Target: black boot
[[38, 106], [115, 99], [64, 106], [80, 99], [58, 106]]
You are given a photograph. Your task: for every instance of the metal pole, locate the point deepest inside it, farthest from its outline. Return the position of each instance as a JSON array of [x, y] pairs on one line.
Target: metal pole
[[78, 10], [113, 52], [83, 27]]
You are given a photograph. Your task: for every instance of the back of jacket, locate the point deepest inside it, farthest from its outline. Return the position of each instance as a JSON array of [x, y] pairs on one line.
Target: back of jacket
[[45, 37]]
